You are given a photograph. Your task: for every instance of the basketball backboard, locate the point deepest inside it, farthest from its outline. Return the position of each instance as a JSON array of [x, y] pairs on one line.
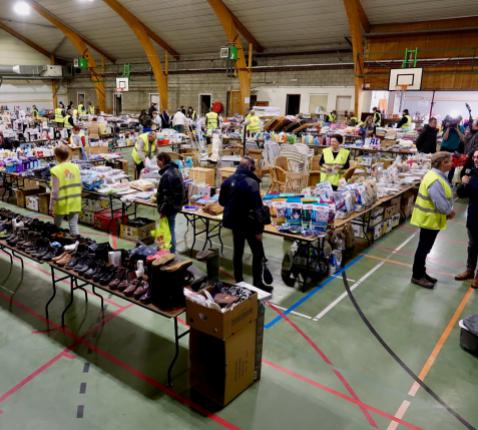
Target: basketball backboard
[[409, 78]]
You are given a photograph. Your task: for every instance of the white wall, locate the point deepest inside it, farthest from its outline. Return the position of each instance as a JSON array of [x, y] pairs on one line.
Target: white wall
[[22, 92], [276, 96]]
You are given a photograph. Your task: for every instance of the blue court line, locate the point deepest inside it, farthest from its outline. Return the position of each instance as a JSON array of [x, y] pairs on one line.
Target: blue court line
[[312, 292]]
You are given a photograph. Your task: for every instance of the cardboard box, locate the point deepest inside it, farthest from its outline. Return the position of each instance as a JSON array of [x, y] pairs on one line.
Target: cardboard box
[[218, 324], [95, 205], [222, 369], [87, 217], [391, 210], [38, 202], [131, 232], [21, 195], [358, 230], [203, 175], [98, 149], [377, 231], [395, 220]]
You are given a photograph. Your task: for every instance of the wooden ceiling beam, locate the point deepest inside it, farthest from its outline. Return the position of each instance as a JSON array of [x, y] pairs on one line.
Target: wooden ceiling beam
[[62, 26], [25, 40], [441, 25]]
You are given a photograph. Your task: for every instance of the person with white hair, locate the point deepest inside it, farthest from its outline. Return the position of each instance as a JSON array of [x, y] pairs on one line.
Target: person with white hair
[[433, 207]]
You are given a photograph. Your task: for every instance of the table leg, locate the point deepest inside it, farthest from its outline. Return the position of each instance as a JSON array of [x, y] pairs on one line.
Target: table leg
[[53, 283], [17, 287], [177, 337], [72, 289], [193, 224], [10, 268], [207, 239], [101, 298]]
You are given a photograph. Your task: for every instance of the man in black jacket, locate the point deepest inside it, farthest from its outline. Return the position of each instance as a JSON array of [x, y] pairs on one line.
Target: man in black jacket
[[171, 195], [427, 140], [242, 204], [469, 189]]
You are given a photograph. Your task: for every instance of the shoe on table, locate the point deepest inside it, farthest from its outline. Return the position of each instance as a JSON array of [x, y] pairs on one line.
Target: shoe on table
[[176, 265], [467, 274], [423, 282], [164, 259], [430, 278]]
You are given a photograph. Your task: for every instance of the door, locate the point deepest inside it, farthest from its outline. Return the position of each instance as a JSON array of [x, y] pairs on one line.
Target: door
[[153, 98], [117, 103], [342, 104], [318, 103], [80, 98], [233, 102], [292, 104], [204, 103]]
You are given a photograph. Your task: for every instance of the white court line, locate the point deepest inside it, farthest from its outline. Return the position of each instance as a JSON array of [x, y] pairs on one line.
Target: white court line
[[332, 305], [401, 411], [293, 312]]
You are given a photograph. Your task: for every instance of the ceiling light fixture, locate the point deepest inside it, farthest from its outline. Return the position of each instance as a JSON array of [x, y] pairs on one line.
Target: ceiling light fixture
[[22, 8]]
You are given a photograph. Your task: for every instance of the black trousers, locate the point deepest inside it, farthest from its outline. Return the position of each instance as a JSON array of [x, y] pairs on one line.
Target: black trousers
[[425, 245], [139, 167], [472, 250], [257, 249]]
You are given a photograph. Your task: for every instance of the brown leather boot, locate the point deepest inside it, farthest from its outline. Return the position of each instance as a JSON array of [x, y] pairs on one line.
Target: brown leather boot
[[467, 274], [474, 283]]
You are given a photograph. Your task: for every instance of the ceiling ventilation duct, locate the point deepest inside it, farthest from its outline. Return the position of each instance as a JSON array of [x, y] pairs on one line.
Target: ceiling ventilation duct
[[31, 72]]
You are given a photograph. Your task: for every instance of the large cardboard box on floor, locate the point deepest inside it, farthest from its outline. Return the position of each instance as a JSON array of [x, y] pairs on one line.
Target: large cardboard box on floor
[[222, 369], [218, 324]]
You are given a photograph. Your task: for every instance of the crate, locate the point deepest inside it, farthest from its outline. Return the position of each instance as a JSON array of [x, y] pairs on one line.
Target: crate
[[203, 175], [21, 195], [94, 205], [103, 221], [132, 232]]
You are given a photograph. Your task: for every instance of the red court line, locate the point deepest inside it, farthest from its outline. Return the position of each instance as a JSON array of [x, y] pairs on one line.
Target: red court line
[[336, 393], [327, 360], [63, 354], [135, 372]]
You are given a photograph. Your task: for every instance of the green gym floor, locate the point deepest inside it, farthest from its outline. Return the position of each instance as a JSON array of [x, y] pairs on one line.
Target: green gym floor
[[322, 368]]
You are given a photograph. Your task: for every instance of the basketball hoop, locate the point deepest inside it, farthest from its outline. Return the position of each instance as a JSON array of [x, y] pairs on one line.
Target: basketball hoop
[[403, 88]]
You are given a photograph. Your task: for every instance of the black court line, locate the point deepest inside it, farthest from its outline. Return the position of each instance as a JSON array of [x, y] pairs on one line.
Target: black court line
[[392, 353]]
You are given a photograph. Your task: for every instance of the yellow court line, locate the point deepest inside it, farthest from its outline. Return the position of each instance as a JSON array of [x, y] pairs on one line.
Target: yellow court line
[[401, 263], [441, 342]]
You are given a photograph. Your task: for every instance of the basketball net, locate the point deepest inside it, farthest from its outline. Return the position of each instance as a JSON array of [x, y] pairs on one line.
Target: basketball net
[[403, 89]]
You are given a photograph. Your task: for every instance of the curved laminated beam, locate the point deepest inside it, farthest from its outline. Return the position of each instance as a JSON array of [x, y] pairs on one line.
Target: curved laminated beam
[[80, 46], [356, 22], [232, 33], [141, 33]]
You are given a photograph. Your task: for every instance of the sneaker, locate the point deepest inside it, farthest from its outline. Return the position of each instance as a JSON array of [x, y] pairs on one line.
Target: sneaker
[[423, 282]]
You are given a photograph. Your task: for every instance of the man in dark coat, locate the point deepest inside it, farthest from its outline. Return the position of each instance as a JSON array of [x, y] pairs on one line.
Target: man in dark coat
[[242, 204], [171, 195], [469, 189], [427, 140]]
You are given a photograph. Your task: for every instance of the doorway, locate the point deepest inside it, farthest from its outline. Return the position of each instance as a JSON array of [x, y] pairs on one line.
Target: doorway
[[292, 104], [204, 103], [117, 103], [80, 98], [153, 98]]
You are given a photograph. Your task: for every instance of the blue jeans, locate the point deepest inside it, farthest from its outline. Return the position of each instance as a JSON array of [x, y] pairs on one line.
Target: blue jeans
[[172, 225]]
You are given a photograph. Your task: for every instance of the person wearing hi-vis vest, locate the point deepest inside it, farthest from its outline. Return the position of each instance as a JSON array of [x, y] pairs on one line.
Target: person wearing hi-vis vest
[[334, 162], [145, 147], [91, 108], [406, 121], [253, 123], [331, 117], [59, 114], [212, 121], [433, 207], [81, 109], [68, 122], [66, 190]]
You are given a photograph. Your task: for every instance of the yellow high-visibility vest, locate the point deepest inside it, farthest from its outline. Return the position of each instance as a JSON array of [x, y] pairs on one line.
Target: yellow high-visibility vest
[[146, 149], [81, 109], [91, 110], [75, 115], [212, 120], [331, 117], [425, 214], [254, 125], [330, 161], [59, 115], [408, 124], [69, 193], [67, 122]]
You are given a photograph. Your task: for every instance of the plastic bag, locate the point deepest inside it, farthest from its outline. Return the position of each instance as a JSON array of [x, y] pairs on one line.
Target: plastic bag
[[162, 234]]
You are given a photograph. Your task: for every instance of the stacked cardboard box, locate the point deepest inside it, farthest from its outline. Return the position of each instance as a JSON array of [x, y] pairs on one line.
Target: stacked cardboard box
[[222, 350]]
